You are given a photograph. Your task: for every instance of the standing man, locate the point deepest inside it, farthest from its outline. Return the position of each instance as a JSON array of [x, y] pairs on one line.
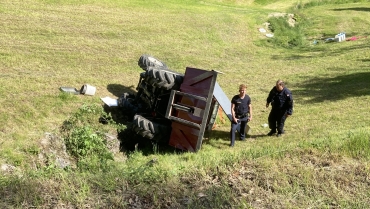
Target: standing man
[[241, 111], [281, 100]]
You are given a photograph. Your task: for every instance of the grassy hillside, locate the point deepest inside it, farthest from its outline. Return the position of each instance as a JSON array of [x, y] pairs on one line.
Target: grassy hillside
[[321, 162]]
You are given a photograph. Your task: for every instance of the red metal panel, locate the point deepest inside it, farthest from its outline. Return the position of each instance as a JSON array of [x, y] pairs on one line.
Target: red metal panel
[[199, 83], [184, 137]]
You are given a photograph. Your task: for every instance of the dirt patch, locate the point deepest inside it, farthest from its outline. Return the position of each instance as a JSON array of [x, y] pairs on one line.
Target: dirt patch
[[54, 152], [8, 169]]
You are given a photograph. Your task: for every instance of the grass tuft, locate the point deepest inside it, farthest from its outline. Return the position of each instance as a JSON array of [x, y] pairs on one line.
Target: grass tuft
[[357, 145]]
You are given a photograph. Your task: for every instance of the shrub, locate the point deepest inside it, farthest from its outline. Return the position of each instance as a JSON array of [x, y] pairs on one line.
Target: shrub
[[83, 143]]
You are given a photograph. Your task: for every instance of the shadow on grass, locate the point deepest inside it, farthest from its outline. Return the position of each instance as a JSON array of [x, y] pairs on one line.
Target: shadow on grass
[[335, 88], [221, 139], [225, 135], [306, 53], [359, 9], [118, 89]]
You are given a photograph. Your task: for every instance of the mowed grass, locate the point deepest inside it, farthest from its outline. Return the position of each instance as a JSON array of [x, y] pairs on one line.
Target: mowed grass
[[321, 162]]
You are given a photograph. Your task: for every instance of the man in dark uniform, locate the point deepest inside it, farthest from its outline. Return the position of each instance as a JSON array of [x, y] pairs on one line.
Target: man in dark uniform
[[281, 100], [241, 111]]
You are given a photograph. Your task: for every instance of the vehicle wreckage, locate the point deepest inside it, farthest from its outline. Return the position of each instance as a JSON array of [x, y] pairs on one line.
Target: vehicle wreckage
[[173, 107]]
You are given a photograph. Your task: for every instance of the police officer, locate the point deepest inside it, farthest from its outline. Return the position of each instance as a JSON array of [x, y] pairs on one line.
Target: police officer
[[241, 111], [281, 100]]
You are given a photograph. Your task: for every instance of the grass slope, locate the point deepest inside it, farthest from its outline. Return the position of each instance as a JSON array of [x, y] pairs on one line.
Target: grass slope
[[321, 162]]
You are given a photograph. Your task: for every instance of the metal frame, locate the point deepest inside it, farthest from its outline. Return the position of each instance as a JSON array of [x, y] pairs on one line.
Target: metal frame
[[175, 104]]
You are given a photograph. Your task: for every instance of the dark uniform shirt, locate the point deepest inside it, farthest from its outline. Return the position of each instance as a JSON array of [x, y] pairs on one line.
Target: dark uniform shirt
[[241, 105], [281, 101]]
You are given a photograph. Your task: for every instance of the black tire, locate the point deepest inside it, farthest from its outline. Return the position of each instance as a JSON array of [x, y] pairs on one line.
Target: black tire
[[146, 61], [164, 78], [151, 130], [143, 127], [145, 95], [126, 100]]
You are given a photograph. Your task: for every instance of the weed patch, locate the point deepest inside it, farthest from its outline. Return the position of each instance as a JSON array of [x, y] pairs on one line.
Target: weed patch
[[88, 147], [285, 35], [85, 138]]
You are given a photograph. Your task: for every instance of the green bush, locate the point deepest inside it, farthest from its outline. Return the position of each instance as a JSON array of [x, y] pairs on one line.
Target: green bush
[[88, 147], [85, 140]]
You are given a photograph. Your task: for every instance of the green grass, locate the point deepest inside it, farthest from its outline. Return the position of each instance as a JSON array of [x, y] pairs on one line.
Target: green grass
[[321, 162]]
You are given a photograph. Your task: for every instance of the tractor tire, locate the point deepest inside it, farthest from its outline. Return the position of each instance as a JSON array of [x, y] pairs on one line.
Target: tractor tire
[[143, 127], [146, 61], [164, 78], [126, 100], [158, 131]]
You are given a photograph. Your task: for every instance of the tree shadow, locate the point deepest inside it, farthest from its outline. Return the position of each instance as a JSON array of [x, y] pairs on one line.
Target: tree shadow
[[306, 53], [335, 88], [359, 9]]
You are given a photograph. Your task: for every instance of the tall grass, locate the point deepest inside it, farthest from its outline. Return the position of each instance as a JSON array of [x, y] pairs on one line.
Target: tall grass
[[356, 145]]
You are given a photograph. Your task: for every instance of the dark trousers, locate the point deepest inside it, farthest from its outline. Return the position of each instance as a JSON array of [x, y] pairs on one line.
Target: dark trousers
[[276, 120], [234, 126]]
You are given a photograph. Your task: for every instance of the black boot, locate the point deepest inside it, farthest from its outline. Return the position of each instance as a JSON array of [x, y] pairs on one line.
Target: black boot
[[272, 132]]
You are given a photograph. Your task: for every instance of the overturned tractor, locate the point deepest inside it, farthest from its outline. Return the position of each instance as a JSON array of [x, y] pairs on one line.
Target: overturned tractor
[[173, 107]]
